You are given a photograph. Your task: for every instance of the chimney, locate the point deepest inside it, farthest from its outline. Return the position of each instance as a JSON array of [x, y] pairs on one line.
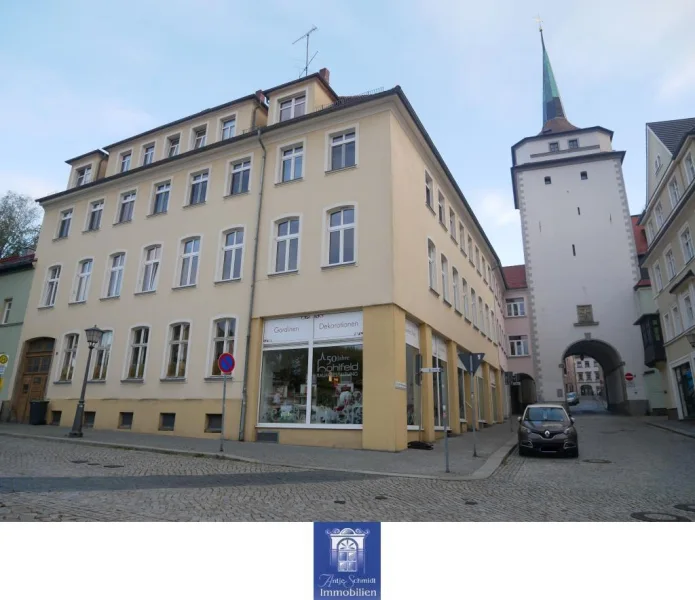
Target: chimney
[[325, 74], [261, 97]]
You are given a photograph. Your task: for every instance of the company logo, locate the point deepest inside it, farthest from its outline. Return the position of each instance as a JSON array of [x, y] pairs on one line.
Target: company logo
[[347, 560], [547, 433]]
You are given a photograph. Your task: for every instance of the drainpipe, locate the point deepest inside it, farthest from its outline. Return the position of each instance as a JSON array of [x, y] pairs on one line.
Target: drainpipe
[[244, 389]]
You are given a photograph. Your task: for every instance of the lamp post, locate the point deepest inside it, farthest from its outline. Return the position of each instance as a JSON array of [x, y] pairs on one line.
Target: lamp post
[[94, 335]]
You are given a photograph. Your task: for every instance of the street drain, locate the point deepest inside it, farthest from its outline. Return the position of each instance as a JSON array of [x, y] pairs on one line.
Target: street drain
[[93, 464], [380, 497], [471, 502], [79, 462], [686, 507], [597, 461], [339, 501], [658, 517], [113, 466]]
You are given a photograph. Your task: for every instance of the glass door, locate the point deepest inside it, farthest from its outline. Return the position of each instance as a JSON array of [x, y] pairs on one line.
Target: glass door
[[684, 379]]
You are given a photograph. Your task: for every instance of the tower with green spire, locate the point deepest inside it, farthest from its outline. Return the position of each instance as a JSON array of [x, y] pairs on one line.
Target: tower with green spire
[[554, 119]]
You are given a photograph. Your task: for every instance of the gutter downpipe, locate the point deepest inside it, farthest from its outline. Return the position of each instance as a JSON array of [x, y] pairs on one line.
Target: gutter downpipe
[[244, 389]]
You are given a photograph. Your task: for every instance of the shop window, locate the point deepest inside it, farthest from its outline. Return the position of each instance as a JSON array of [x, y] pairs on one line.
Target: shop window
[[462, 394], [440, 399], [284, 386], [337, 388], [414, 401]]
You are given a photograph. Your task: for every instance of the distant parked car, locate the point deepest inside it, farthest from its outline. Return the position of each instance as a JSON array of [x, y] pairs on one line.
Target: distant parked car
[[547, 428], [572, 398]]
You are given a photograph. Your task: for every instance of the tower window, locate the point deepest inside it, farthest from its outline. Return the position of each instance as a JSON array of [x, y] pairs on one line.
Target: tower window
[[579, 212], [548, 181], [554, 146], [574, 251], [573, 144], [583, 175]]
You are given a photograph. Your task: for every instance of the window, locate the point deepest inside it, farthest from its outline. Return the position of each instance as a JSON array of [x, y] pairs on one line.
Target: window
[[470, 249], [190, 253], [452, 223], [125, 420], [49, 295], [677, 321], [441, 208], [7, 307], [580, 376], [445, 278], [95, 211], [487, 320], [547, 180], [657, 277], [148, 154], [668, 331], [587, 364], [127, 205], [67, 368], [292, 161], [689, 314], [689, 167], [650, 231], [64, 226], [659, 215], [213, 423], [518, 345], [139, 340], [432, 264], [199, 188], [287, 245], [687, 245], [343, 150], [115, 276], [341, 236], [150, 269], [462, 238], [84, 175], [428, 190], [167, 421], [554, 146], [596, 375], [101, 360], [241, 172], [232, 253], [673, 192], [583, 175], [464, 290], [224, 332], [294, 107], [125, 161], [670, 264], [228, 129], [481, 314], [657, 164], [174, 143], [178, 350], [516, 307], [455, 283], [474, 307], [485, 271], [84, 274], [161, 198], [199, 135], [573, 144]]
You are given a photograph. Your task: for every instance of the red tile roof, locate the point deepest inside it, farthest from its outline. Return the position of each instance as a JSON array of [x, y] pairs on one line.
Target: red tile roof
[[515, 276], [640, 236]]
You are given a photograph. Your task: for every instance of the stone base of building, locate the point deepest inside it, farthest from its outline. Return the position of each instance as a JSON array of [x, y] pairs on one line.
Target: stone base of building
[[672, 414]]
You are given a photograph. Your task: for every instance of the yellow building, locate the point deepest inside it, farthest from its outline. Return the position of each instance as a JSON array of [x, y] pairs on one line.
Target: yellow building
[[319, 238]]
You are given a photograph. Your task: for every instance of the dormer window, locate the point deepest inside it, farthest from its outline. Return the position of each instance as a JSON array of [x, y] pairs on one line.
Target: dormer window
[[573, 144], [554, 146], [84, 175], [228, 128], [173, 148], [294, 107], [148, 154], [125, 162], [200, 135]]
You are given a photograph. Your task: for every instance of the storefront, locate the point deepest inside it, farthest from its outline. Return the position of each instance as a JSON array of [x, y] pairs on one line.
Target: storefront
[[683, 376], [412, 352], [440, 386]]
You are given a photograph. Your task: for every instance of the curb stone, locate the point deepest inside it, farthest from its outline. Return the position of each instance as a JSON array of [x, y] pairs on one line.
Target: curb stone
[[671, 429], [485, 471]]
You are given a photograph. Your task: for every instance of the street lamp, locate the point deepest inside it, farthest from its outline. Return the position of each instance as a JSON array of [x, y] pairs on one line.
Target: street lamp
[[94, 335]]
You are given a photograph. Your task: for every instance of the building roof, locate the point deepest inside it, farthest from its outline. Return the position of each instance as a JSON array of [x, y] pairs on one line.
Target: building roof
[[515, 276], [672, 133], [86, 154], [554, 119], [16, 263], [318, 76], [640, 236]]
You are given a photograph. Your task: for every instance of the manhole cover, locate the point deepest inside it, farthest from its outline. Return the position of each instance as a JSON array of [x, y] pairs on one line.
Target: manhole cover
[[471, 502], [597, 461], [380, 497], [79, 462], [339, 501], [686, 507], [113, 466], [658, 517]]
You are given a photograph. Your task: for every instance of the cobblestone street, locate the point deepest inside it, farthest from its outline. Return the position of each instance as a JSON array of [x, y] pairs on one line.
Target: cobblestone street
[[650, 470]]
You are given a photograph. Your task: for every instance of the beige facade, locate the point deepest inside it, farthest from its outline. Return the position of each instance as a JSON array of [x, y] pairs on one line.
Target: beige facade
[[669, 222], [308, 232]]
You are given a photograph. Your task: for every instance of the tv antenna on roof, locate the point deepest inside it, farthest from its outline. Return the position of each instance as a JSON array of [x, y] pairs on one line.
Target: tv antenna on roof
[[307, 61]]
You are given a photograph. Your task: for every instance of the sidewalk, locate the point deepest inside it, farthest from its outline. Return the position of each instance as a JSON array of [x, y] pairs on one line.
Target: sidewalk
[[686, 428], [493, 446]]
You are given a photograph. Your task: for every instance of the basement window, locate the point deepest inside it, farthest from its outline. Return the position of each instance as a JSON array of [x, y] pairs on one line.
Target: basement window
[[89, 417], [548, 181], [167, 421], [55, 417], [125, 420], [213, 423]]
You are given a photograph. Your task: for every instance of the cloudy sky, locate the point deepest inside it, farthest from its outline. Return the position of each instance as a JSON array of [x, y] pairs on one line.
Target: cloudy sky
[[77, 75]]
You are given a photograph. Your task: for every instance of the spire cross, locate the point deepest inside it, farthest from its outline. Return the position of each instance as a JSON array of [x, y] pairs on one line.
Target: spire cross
[[540, 23]]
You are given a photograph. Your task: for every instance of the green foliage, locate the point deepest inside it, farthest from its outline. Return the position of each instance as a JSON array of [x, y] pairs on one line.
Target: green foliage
[[20, 223]]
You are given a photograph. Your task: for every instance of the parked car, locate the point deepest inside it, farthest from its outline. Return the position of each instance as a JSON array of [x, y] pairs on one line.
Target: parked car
[[547, 428], [572, 398]]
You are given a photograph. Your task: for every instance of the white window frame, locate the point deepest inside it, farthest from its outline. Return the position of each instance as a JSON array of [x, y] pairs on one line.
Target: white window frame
[[181, 258], [689, 165], [677, 320], [474, 308], [125, 160], [149, 266], [131, 348], [658, 279], [429, 190], [155, 191], [169, 342], [327, 229], [145, 149], [123, 198], [668, 327], [297, 149], [688, 310], [650, 231], [462, 237], [171, 146], [432, 264], [330, 142], [229, 177], [84, 172], [553, 146], [7, 307], [109, 269], [276, 239], [292, 99], [234, 249], [674, 191], [657, 164], [687, 255], [516, 344], [455, 289], [96, 206], [53, 283], [82, 281], [671, 269], [65, 217], [444, 262], [198, 177], [477, 260], [64, 351], [103, 350], [470, 249], [224, 126], [441, 208], [213, 339], [659, 215], [514, 306], [194, 136], [573, 144], [464, 291], [452, 223]]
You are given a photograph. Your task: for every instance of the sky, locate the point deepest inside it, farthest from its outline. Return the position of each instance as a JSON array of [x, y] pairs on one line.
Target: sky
[[78, 75]]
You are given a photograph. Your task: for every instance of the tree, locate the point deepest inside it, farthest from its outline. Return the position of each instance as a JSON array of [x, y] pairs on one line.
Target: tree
[[20, 223]]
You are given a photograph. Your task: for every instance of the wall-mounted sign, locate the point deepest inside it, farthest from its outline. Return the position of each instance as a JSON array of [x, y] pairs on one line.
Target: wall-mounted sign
[[333, 326], [294, 329], [328, 326]]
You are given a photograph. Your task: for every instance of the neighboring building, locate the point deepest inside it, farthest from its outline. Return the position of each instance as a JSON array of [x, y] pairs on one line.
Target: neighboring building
[[669, 221], [321, 239], [587, 378], [16, 273], [570, 376], [517, 324], [568, 185]]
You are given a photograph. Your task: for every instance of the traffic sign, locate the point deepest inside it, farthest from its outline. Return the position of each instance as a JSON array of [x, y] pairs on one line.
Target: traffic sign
[[3, 359], [226, 363], [471, 361], [629, 376]]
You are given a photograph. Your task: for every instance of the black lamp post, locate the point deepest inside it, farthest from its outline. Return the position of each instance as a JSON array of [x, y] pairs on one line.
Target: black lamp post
[[94, 335]]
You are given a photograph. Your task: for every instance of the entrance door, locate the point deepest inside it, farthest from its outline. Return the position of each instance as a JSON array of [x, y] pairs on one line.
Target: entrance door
[[684, 379], [35, 371]]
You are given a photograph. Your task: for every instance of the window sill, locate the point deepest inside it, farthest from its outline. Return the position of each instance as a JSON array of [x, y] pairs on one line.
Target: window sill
[[289, 181], [184, 287], [189, 205], [586, 324], [133, 380], [443, 226], [62, 382], [475, 327], [340, 170], [463, 252], [217, 378], [468, 319], [281, 273], [431, 209], [470, 260], [458, 312], [145, 293], [236, 195], [104, 298], [117, 223], [74, 302], [453, 239], [519, 355], [96, 380], [478, 271], [47, 306], [172, 379], [157, 214], [515, 316], [225, 281], [338, 265], [91, 230], [446, 301], [60, 239], [433, 291]]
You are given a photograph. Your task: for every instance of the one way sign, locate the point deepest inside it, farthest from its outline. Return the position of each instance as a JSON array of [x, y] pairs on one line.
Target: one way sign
[[471, 361]]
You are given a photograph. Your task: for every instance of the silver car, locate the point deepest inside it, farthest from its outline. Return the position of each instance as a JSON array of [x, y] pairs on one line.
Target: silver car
[[547, 428]]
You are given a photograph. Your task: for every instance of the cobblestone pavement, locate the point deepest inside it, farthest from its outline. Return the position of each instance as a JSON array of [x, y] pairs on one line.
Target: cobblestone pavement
[[650, 470]]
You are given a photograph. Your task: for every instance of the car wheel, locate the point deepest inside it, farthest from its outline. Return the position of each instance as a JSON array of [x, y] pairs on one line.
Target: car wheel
[[574, 453], [523, 451]]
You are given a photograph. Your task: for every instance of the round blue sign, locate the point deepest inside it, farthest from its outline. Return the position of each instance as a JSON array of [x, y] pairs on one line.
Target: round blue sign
[[226, 362]]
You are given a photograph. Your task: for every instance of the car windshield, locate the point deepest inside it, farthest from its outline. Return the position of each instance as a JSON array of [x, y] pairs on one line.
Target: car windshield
[[546, 413]]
